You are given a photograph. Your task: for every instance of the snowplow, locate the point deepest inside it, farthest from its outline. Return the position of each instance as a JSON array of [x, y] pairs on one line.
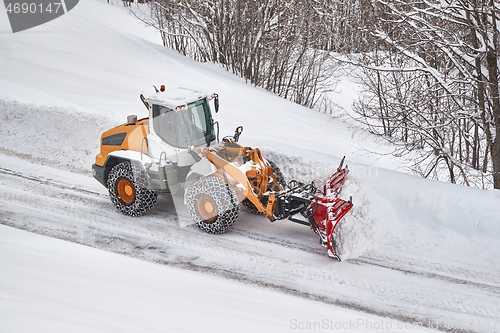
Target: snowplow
[[177, 150]]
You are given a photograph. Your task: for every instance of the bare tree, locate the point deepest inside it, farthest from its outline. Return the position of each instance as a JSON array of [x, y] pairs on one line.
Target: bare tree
[[432, 82], [271, 43]]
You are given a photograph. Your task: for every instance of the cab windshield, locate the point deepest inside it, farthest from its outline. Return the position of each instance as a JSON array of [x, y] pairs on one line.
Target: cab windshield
[[181, 129]]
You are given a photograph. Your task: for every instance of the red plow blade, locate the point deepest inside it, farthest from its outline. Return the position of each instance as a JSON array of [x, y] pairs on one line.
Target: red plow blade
[[329, 209], [334, 184]]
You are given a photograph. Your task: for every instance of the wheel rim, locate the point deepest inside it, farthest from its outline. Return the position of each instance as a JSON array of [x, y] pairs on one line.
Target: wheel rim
[[207, 208], [126, 191]]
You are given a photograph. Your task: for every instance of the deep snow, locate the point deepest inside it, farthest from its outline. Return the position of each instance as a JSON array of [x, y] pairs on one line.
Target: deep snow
[[418, 249], [54, 286]]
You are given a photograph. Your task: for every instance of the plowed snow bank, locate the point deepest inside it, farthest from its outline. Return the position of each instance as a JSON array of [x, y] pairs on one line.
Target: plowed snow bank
[[54, 136]]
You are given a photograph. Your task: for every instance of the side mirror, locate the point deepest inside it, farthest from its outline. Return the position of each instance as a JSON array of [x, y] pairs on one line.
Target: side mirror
[[143, 99], [216, 102], [237, 133]]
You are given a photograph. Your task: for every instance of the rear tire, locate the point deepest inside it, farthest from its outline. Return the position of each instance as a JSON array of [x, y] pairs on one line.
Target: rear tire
[[212, 204], [129, 191]]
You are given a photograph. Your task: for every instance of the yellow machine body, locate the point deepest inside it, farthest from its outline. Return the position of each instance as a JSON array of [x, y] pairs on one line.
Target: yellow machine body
[[124, 137]]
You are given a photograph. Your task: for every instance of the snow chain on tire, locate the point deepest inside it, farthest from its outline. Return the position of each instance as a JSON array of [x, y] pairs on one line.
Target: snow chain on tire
[[221, 200], [141, 199], [279, 177], [277, 173]]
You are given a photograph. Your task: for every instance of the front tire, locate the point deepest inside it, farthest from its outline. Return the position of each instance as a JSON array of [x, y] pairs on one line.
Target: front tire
[[281, 180], [129, 191], [277, 173], [212, 204]]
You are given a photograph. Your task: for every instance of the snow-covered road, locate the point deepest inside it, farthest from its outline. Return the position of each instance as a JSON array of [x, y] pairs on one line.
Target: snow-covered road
[[390, 282]]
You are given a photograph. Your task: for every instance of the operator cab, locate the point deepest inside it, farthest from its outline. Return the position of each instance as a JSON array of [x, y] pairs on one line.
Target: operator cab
[[187, 125], [180, 118]]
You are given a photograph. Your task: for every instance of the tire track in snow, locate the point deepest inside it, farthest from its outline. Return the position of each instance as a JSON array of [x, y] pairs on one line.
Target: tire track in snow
[[490, 282], [49, 182]]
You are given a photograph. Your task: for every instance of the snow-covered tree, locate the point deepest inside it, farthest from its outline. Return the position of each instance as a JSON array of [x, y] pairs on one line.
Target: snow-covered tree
[[432, 82], [278, 45]]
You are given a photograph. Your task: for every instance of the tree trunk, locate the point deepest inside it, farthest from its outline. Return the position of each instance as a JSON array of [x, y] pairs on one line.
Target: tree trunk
[[491, 58]]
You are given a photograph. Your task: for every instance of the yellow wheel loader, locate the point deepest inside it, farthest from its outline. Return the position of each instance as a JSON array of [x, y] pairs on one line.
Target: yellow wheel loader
[[177, 150]]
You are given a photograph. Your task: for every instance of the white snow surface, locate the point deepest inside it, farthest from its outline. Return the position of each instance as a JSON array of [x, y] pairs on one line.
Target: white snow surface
[[57, 286], [414, 250]]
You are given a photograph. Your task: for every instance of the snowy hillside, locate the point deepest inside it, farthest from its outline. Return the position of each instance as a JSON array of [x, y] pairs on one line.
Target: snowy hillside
[[414, 250]]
